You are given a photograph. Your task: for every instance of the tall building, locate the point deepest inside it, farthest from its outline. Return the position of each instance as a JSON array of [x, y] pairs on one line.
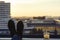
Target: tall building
[[4, 14]]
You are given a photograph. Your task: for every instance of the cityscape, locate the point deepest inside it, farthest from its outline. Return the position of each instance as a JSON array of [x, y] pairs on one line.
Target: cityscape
[[35, 27]]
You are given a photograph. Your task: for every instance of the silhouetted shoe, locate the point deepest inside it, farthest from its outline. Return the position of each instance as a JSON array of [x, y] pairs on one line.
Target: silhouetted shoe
[[20, 27], [11, 27]]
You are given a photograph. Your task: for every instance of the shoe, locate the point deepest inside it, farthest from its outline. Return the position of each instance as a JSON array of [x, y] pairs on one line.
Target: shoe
[[20, 27], [11, 27]]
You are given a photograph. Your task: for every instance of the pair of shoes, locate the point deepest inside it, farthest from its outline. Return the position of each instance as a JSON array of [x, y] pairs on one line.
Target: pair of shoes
[[11, 27]]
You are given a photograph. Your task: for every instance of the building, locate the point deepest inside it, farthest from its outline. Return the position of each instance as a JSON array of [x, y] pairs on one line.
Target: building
[[4, 14]]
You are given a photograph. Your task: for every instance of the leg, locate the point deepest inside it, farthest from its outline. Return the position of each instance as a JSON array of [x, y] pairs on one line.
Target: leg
[[15, 37], [20, 28]]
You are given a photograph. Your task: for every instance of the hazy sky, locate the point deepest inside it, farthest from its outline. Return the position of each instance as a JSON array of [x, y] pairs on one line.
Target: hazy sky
[[35, 7]]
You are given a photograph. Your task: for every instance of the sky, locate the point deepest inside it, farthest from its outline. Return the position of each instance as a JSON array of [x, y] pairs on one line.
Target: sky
[[34, 7]]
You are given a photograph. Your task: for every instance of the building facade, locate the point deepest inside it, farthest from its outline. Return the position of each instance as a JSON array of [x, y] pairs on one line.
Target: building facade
[[4, 14]]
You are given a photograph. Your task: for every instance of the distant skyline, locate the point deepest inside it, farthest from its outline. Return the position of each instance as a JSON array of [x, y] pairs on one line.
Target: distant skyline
[[34, 7]]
